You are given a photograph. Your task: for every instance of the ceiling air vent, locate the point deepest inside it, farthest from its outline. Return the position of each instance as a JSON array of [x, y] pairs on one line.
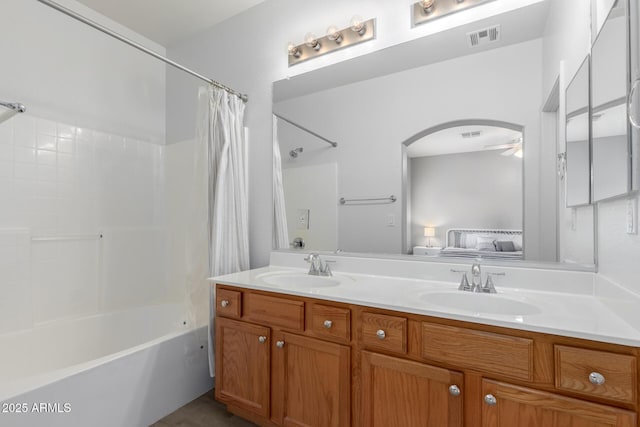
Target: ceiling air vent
[[472, 134], [484, 36]]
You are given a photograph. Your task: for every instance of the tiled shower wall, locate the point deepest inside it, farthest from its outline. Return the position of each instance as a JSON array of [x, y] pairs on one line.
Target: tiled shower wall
[[79, 209]]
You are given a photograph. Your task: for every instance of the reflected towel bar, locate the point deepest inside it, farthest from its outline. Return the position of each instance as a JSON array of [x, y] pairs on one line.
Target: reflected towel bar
[[66, 238], [390, 199]]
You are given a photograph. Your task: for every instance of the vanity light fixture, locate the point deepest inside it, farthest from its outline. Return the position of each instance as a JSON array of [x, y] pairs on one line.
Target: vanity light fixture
[[358, 25], [427, 6], [293, 50], [311, 40], [334, 34], [428, 10], [359, 31]]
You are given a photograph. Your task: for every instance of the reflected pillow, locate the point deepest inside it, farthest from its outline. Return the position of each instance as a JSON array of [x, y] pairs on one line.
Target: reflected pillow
[[506, 246], [517, 242], [484, 243]]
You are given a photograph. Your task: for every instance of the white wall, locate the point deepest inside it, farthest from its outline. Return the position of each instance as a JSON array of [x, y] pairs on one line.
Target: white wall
[[63, 70], [468, 190], [618, 253], [566, 43], [313, 187], [248, 52], [370, 122], [85, 159]]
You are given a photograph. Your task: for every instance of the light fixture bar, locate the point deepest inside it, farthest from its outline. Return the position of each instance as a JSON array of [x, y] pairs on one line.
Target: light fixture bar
[[427, 10], [332, 42]]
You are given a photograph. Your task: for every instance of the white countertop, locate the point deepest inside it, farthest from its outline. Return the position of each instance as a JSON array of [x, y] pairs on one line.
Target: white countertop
[[574, 314]]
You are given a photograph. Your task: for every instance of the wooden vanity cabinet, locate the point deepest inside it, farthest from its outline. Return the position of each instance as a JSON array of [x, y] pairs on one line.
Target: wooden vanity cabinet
[[404, 393], [284, 360], [311, 382], [273, 370], [507, 405], [243, 365]]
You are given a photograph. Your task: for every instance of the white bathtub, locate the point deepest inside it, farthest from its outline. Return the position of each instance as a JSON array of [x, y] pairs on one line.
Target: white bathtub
[[122, 369]]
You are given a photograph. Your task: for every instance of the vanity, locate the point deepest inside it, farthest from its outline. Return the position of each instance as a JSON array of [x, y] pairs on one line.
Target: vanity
[[358, 349]]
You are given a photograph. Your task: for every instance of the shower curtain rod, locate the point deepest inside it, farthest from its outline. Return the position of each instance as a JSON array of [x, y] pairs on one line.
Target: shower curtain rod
[[138, 46], [328, 141]]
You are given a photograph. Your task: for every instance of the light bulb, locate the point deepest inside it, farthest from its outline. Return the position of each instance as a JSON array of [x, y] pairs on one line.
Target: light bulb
[[311, 40], [334, 34], [293, 50], [358, 25], [427, 5]]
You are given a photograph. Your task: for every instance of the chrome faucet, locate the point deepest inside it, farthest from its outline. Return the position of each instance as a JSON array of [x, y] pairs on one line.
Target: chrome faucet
[[476, 278], [317, 267], [476, 281]]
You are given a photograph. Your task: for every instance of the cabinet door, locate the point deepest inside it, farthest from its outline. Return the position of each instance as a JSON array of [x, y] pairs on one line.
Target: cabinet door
[[311, 382], [510, 406], [402, 393], [243, 365]]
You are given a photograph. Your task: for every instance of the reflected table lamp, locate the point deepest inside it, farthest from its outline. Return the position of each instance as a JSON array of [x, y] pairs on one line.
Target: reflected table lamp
[[429, 232]]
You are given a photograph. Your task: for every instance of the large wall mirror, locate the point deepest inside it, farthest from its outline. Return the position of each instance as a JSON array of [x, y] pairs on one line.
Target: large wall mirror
[[610, 81], [439, 155], [578, 138]]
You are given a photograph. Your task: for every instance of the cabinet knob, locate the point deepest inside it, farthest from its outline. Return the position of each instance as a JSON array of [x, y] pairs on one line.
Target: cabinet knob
[[381, 334], [262, 339], [454, 390], [490, 399], [596, 378], [280, 344], [224, 303], [328, 324]]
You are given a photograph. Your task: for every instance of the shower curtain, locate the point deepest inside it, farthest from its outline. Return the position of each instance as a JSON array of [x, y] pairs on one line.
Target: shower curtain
[[221, 130], [280, 232]]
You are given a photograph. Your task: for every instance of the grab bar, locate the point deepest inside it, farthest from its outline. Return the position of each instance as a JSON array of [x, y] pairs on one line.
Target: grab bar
[[66, 238], [390, 199]]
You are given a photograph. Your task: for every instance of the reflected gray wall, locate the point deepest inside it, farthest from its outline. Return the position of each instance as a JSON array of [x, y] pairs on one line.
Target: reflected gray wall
[[468, 190]]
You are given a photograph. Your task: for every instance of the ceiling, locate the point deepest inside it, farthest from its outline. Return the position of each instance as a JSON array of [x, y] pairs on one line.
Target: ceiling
[[168, 21], [450, 141]]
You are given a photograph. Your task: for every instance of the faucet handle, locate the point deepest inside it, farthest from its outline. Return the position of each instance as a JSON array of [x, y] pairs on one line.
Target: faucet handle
[[464, 283], [489, 287], [326, 270]]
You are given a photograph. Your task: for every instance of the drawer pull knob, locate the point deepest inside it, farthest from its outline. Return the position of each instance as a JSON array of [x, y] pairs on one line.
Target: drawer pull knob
[[381, 334], [454, 390], [490, 399], [596, 378], [280, 344], [224, 303], [262, 339], [328, 324]]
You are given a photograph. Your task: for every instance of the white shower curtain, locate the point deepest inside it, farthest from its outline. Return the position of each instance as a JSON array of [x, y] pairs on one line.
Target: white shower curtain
[[221, 129], [280, 232]]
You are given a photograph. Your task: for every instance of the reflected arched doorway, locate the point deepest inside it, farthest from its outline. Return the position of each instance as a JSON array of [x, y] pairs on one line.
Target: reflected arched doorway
[[464, 190]]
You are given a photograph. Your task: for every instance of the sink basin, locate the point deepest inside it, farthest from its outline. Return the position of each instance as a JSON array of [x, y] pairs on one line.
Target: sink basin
[[300, 280], [480, 303]]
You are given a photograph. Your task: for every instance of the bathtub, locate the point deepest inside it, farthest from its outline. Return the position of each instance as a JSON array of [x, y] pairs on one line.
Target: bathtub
[[127, 368]]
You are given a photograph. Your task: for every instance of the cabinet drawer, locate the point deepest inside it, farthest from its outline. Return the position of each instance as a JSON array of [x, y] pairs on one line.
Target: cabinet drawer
[[384, 332], [575, 366], [483, 351], [274, 311], [228, 303], [330, 322]]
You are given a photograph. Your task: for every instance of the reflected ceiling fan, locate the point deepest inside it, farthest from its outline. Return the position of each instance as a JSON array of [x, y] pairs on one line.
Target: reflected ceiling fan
[[513, 148]]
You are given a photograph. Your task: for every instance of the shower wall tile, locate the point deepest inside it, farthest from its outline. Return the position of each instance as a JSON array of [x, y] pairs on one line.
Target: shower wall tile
[[65, 279], [57, 179], [16, 309]]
